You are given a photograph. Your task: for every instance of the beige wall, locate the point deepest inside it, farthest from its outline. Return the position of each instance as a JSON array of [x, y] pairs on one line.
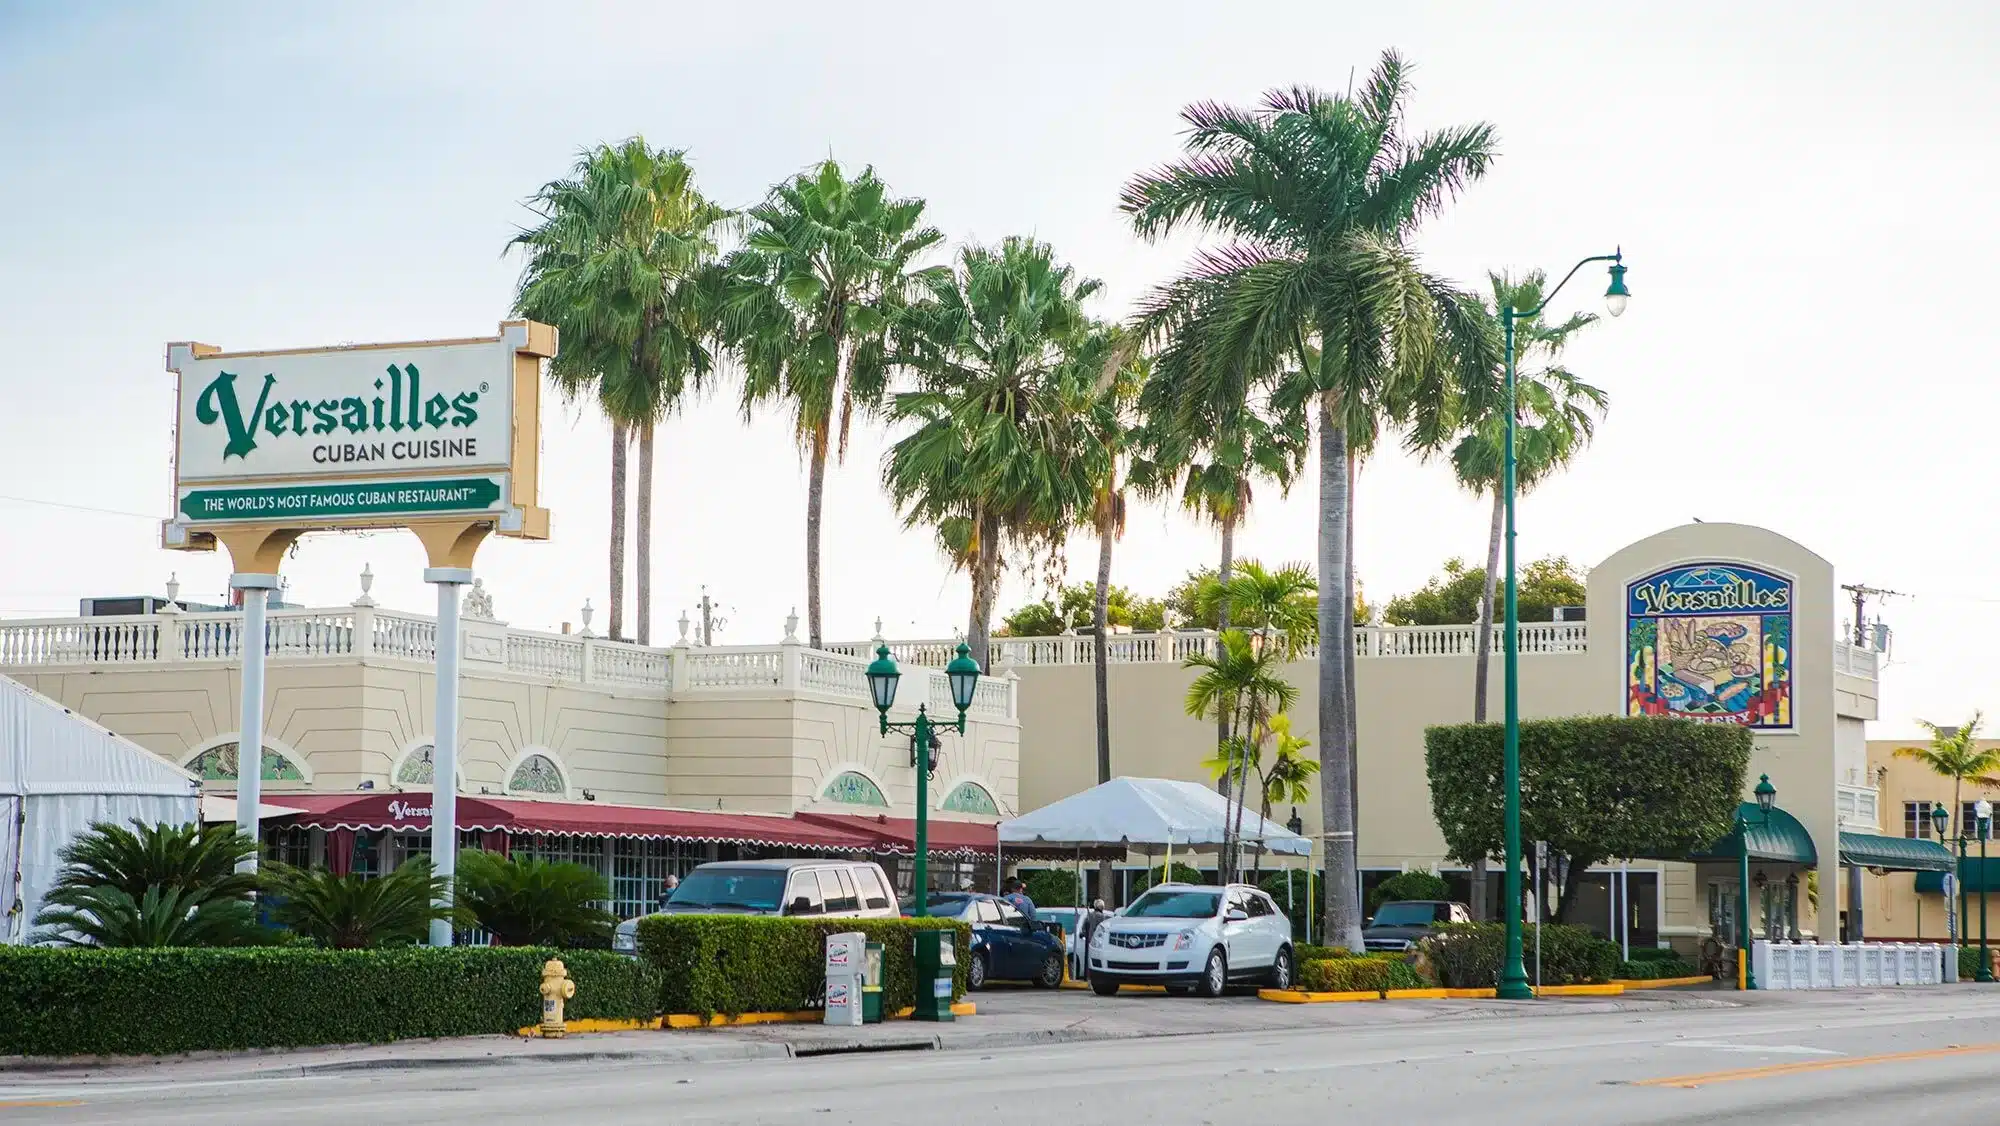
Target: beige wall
[[348, 722], [1890, 905], [1397, 697]]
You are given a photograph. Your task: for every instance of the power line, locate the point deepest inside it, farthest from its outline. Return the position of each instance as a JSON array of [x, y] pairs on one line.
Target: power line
[[1861, 591], [152, 517]]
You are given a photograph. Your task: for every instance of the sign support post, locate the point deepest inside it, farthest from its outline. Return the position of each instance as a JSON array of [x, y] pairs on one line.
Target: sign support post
[[256, 590], [444, 746]]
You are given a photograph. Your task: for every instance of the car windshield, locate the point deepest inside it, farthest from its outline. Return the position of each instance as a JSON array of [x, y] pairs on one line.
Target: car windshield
[[1165, 904], [735, 889], [1405, 914], [947, 906]]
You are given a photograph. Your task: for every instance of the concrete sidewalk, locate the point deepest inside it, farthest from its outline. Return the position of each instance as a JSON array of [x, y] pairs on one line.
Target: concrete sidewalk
[[1006, 1018]]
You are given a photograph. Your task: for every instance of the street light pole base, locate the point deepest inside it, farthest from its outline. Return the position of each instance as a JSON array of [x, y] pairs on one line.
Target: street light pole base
[[1515, 991]]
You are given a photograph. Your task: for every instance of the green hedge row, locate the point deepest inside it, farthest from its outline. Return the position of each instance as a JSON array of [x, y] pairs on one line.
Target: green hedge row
[[1653, 969], [1467, 955], [1368, 973], [62, 1002], [751, 964]]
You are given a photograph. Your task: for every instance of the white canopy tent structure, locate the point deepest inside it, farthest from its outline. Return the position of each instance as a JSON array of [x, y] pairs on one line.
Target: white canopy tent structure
[[1144, 813], [59, 773]]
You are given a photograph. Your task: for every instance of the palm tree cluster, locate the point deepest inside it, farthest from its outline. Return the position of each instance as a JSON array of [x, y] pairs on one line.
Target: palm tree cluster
[[180, 885], [1307, 328]]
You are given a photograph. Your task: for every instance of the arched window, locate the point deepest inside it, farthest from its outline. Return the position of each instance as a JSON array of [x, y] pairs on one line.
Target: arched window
[[537, 774], [218, 764], [849, 788], [970, 797], [417, 769]]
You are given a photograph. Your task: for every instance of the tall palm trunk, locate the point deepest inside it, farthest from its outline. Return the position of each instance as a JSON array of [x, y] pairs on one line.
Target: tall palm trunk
[[1480, 671], [985, 588], [620, 437], [1222, 715], [1347, 651], [1101, 649], [643, 581], [815, 503], [1264, 811], [1336, 615]]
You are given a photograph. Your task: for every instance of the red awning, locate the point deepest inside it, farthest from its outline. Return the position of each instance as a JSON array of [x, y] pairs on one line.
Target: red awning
[[411, 812], [899, 834]]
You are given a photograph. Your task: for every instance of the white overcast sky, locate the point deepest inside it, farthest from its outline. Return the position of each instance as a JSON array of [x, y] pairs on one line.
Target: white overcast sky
[[1804, 193]]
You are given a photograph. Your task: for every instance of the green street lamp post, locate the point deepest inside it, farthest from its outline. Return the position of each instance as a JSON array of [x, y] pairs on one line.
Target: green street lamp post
[[1941, 820], [1767, 796], [1982, 811], [1513, 984], [883, 675]]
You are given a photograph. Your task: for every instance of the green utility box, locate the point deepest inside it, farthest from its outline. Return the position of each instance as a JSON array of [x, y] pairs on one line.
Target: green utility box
[[937, 961], [871, 986]]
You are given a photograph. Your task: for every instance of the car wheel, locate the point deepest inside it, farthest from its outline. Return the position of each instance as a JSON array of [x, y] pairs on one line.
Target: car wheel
[[1214, 974], [1281, 969], [1052, 972], [1103, 987], [975, 975]]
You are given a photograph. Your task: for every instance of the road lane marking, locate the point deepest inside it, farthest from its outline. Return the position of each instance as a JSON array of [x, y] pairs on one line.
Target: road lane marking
[[14, 1103], [1772, 1049], [1702, 1080]]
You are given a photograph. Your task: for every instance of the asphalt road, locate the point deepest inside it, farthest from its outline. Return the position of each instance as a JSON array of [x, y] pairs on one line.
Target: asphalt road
[[1916, 1057]]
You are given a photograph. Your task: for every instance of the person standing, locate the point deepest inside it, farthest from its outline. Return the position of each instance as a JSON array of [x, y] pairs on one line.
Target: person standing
[[667, 887], [1016, 893]]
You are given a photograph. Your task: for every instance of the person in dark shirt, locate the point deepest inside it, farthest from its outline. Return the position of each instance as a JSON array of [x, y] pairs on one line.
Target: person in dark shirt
[[1015, 893]]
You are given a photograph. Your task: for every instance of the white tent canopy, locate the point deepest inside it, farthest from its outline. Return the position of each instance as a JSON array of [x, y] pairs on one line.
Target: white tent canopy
[[59, 773], [1143, 812]]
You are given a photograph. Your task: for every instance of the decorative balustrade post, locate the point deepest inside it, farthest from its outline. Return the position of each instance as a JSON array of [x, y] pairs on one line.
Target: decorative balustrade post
[[589, 670], [677, 674], [791, 655], [364, 616]]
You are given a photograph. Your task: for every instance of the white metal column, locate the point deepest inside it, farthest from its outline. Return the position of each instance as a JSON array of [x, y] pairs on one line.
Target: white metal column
[[444, 745], [256, 590]]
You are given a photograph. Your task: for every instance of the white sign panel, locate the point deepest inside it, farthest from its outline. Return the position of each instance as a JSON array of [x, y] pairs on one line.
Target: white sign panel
[[403, 409]]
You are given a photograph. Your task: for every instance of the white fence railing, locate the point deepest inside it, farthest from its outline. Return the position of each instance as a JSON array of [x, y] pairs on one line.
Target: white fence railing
[[1853, 965], [1854, 660], [1177, 646]]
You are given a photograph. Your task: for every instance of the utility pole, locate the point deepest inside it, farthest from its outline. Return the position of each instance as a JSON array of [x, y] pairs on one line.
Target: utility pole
[[711, 623], [1861, 593]]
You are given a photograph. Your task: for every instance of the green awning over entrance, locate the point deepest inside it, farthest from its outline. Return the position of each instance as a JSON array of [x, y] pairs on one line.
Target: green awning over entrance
[[1897, 854], [1973, 876], [1777, 837]]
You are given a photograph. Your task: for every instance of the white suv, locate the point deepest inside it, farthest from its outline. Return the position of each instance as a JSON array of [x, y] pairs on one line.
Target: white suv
[[1193, 938]]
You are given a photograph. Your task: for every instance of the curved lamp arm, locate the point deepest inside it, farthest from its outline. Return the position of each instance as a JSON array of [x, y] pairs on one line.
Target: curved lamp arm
[[1616, 257]]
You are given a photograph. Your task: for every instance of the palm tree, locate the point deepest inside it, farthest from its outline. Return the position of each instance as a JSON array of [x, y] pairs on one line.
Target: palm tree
[[522, 901], [1006, 441], [1289, 779], [189, 857], [1240, 679], [161, 915], [1319, 193], [1118, 389], [1955, 753], [355, 912], [1281, 605], [826, 266], [622, 263]]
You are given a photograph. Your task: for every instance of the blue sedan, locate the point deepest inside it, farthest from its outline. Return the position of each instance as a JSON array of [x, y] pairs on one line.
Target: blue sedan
[[1006, 945]]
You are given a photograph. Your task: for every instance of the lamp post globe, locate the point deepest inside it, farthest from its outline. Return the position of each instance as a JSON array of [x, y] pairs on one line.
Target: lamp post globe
[[882, 677], [1941, 820], [1767, 794], [1616, 296], [963, 673]]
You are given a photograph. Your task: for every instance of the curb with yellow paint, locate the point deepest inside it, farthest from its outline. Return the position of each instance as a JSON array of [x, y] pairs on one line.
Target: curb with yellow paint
[[1074, 984], [1661, 982], [1301, 997], [724, 1020]]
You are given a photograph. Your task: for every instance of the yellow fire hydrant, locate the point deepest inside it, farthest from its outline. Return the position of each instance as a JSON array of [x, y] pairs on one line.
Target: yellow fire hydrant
[[556, 988]]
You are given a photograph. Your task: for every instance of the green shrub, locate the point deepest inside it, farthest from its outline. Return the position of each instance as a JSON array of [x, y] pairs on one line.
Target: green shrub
[[1968, 963], [1407, 885], [1303, 952], [1656, 954], [61, 1002], [1403, 975], [751, 964], [1653, 969], [1053, 887], [1467, 955], [1346, 975], [1305, 890], [522, 901], [355, 912], [1182, 875]]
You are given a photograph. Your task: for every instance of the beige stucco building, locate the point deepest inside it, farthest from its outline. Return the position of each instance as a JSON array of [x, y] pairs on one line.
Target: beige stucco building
[[1727, 623], [1908, 905]]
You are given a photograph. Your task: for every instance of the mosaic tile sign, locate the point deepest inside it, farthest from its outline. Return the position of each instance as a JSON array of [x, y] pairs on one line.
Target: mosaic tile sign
[[1711, 642]]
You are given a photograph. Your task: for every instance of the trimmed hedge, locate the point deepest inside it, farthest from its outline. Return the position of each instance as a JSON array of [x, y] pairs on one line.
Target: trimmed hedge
[[753, 964], [1053, 887], [1345, 975], [157, 1001], [1653, 969], [1467, 955], [1968, 963], [1656, 954], [1304, 952]]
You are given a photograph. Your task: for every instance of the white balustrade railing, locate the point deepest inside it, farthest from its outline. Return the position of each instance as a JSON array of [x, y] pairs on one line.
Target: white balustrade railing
[[748, 667], [1177, 646], [1862, 965], [540, 654], [628, 664], [833, 674], [404, 636], [1854, 660]]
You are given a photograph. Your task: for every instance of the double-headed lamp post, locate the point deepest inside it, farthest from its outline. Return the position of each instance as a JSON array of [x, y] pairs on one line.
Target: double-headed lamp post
[[883, 675], [1941, 820], [1767, 796], [1982, 813], [1513, 983]]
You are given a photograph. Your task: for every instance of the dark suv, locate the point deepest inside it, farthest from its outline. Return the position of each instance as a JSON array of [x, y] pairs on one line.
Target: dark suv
[[1399, 926]]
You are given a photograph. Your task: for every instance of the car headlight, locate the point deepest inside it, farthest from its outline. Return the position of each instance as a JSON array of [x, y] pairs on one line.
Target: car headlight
[[1099, 936], [1183, 940], [624, 942]]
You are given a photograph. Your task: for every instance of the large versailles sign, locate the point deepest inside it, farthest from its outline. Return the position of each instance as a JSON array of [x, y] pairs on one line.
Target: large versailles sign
[[1710, 642], [373, 435]]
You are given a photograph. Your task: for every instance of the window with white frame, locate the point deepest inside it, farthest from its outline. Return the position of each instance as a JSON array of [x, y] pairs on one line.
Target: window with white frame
[[1917, 820]]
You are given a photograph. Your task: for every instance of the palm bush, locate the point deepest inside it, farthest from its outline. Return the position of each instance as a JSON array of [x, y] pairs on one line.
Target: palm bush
[[529, 902], [187, 857], [355, 912], [159, 916]]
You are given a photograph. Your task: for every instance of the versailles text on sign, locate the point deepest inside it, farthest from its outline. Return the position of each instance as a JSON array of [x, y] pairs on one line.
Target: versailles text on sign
[[426, 408]]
